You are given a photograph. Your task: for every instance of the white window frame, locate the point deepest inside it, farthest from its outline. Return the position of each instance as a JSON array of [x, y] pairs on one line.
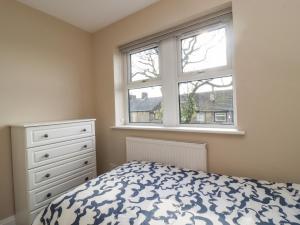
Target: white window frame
[[138, 84], [135, 83], [170, 75], [208, 73]]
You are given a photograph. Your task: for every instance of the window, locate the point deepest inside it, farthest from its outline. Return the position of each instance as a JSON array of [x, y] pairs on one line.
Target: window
[[144, 86], [145, 105], [207, 98], [204, 50], [182, 78], [144, 65]]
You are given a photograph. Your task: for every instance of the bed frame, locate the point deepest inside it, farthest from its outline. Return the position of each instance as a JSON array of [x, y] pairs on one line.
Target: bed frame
[[181, 154]]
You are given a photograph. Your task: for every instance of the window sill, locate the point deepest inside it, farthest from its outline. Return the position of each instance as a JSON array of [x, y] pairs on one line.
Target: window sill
[[231, 131]]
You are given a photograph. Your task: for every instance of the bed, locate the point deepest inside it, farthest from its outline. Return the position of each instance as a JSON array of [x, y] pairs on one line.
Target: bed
[[152, 193], [145, 192]]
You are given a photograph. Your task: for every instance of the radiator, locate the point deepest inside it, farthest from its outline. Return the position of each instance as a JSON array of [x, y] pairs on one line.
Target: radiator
[[181, 154]]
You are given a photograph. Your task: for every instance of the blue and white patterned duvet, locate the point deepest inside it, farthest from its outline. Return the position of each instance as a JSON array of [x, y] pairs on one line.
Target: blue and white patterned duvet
[[150, 193]]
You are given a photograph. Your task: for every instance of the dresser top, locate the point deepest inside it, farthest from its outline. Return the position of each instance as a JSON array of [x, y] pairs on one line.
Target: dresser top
[[51, 123]]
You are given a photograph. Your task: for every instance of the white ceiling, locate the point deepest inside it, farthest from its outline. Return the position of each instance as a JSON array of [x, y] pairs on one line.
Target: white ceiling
[[89, 15]]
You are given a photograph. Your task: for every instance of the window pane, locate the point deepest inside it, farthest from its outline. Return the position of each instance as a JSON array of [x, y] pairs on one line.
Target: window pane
[[144, 65], [203, 51], [206, 101], [145, 105]]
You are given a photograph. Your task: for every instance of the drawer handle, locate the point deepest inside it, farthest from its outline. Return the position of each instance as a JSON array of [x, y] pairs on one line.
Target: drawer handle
[[46, 135], [48, 195], [85, 146], [83, 130], [86, 162], [46, 155], [86, 179], [47, 175]]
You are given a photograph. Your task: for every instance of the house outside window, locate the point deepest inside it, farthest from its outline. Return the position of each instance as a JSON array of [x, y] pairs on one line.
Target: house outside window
[[145, 105], [183, 79]]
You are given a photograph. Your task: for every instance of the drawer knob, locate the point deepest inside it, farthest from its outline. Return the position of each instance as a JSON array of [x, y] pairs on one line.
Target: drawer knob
[[48, 195], [86, 162], [83, 130], [86, 179], [47, 175], [46, 136], [85, 146], [46, 155]]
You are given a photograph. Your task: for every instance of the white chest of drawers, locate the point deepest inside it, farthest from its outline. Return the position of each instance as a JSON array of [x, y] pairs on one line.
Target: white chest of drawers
[[48, 160]]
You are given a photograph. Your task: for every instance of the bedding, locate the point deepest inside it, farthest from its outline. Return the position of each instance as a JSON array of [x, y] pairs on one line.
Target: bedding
[[151, 193]]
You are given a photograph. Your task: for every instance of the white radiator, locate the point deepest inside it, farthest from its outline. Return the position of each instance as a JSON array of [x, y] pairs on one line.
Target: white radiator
[[181, 154]]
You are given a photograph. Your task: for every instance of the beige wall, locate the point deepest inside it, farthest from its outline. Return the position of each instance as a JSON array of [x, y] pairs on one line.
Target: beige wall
[[45, 74], [267, 68]]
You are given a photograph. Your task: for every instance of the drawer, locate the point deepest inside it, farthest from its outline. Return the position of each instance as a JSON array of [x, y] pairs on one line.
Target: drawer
[[56, 171], [43, 155], [43, 135], [42, 196]]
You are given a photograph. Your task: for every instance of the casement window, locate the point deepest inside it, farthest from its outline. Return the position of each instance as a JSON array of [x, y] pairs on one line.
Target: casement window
[[144, 88], [182, 77]]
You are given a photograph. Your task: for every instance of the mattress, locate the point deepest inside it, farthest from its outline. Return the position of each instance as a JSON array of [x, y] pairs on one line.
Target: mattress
[[152, 193]]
